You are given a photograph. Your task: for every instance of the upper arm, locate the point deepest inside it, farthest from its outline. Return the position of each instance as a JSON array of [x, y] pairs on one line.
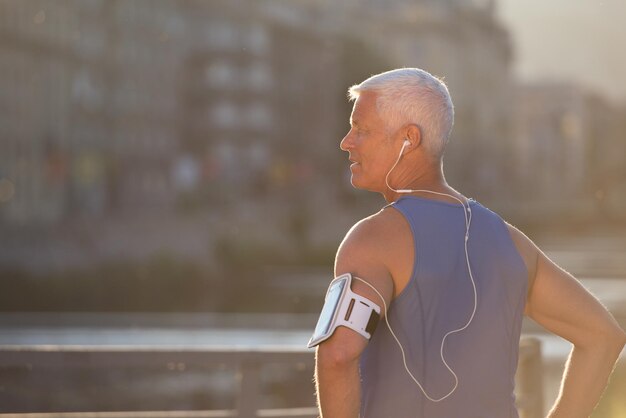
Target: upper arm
[[563, 306], [361, 253], [558, 302]]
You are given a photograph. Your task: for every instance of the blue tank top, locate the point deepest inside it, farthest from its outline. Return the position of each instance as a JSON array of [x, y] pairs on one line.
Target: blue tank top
[[439, 298]]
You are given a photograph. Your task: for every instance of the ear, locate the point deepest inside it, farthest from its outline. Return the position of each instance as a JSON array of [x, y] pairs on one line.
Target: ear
[[414, 135]]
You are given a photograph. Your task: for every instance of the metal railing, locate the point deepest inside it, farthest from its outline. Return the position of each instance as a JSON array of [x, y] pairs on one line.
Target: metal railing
[[248, 362]]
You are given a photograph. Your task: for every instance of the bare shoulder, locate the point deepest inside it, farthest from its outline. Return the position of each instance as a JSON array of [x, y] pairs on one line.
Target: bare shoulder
[[374, 235], [380, 245], [527, 250]]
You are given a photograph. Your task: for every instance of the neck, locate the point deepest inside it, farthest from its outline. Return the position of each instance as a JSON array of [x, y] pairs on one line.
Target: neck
[[430, 178]]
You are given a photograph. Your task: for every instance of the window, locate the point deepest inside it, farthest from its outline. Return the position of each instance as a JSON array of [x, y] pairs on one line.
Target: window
[[221, 35], [224, 114], [258, 40], [221, 74], [259, 115], [259, 76]]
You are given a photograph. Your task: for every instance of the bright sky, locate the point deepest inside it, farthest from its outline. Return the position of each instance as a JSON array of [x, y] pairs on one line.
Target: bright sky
[[572, 40]]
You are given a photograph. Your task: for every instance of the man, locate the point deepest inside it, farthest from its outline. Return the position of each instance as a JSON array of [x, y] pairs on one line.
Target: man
[[455, 277]]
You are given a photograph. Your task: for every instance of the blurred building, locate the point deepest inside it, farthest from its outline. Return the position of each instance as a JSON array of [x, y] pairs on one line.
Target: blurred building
[[90, 106], [463, 42], [133, 103], [607, 151], [157, 109], [116, 108], [36, 109], [569, 153]]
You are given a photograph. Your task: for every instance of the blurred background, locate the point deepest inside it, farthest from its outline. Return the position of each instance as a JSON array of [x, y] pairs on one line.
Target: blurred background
[[170, 173]]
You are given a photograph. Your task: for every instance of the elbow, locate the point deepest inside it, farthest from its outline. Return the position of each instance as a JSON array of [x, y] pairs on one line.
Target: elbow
[[620, 338], [332, 354], [607, 342], [620, 341], [616, 337], [613, 340]]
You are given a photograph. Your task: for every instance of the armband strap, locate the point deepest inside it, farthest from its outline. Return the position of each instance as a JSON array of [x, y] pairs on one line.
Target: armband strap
[[344, 308], [358, 314], [372, 323]]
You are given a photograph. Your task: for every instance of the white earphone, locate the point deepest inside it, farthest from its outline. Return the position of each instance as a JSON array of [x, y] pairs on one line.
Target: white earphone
[[467, 212]]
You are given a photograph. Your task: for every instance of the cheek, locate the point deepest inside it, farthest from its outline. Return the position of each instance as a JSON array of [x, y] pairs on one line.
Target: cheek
[[380, 163], [357, 140]]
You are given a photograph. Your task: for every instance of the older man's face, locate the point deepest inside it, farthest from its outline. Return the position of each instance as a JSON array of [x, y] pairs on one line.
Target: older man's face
[[368, 144]]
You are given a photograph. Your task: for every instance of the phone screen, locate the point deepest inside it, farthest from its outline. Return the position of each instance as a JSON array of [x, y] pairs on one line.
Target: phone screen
[[330, 306]]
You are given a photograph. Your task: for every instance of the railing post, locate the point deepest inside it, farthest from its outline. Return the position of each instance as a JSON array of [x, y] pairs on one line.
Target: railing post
[[529, 379], [248, 399]]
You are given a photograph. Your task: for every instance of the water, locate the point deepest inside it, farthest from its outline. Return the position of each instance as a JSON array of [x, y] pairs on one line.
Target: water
[[242, 337], [125, 389]]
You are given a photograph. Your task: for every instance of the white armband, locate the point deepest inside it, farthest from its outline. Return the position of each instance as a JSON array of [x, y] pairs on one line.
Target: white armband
[[343, 307]]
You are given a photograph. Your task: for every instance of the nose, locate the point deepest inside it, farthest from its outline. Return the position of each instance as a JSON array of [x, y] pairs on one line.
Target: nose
[[346, 142]]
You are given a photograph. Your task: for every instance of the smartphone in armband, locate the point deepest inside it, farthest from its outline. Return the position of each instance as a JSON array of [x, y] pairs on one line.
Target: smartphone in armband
[[343, 307]]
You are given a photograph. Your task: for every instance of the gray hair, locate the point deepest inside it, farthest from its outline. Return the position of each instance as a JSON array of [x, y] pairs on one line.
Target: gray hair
[[412, 95]]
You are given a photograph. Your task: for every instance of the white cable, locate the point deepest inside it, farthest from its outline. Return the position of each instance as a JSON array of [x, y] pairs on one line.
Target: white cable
[[468, 221]]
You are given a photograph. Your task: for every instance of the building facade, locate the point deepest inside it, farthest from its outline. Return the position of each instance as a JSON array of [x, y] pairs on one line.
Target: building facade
[[114, 109], [569, 149]]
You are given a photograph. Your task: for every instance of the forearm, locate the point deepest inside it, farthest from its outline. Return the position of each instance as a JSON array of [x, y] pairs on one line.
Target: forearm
[[338, 389], [586, 374]]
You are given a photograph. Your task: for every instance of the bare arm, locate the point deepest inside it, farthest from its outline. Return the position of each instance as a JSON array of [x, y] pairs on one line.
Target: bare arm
[[559, 303], [337, 359]]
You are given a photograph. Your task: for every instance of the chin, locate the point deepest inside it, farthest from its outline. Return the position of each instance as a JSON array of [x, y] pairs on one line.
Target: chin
[[354, 180], [361, 185]]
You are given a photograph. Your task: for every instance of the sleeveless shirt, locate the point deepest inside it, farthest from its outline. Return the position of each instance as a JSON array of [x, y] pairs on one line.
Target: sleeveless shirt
[[439, 298]]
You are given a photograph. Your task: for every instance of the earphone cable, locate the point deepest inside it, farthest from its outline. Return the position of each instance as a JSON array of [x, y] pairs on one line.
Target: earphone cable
[[467, 212]]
